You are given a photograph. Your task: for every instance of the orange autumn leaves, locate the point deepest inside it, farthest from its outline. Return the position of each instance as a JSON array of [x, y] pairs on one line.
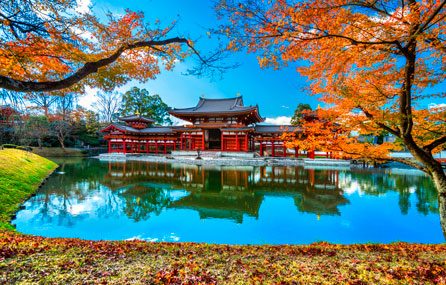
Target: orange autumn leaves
[[66, 40], [29, 259], [373, 64], [338, 133]]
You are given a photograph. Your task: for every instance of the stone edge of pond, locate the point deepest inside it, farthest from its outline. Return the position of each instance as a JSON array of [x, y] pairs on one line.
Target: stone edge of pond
[[228, 161]]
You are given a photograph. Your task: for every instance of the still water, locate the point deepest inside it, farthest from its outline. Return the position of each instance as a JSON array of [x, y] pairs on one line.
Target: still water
[[95, 200]]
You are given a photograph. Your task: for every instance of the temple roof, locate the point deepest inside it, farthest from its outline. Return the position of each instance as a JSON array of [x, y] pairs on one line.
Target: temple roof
[[136, 118], [150, 130], [205, 106], [275, 128], [156, 130]]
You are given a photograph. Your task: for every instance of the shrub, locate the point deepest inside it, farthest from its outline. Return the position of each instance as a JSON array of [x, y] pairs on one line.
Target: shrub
[[8, 145], [26, 148]]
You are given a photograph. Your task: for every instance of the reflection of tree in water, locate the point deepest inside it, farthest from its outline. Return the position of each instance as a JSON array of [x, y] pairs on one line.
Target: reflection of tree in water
[[72, 183], [379, 182], [142, 200], [320, 203], [230, 205], [142, 189], [313, 190]]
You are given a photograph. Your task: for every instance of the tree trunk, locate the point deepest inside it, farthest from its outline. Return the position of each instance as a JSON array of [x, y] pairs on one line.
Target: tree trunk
[[61, 141], [442, 212], [439, 178]]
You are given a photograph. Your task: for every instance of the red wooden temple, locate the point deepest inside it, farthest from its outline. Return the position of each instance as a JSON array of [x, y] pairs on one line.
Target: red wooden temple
[[215, 124]]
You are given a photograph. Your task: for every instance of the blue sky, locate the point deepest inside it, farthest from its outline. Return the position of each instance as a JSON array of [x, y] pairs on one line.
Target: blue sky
[[277, 92]]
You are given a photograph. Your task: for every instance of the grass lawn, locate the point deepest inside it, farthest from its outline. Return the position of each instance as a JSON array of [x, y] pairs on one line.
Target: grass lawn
[[21, 173], [29, 260]]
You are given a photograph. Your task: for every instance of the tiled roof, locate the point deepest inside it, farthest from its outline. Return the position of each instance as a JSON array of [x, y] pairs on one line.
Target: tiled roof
[[205, 105], [156, 130], [237, 129], [151, 130], [135, 117], [275, 128]]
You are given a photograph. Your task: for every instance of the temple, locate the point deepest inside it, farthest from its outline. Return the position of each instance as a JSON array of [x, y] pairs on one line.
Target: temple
[[214, 125]]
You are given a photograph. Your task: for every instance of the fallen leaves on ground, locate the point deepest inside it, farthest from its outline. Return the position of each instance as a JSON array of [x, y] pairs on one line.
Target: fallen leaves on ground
[[29, 259]]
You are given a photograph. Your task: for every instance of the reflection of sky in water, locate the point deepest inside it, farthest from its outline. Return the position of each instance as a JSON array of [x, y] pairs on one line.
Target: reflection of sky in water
[[248, 205]]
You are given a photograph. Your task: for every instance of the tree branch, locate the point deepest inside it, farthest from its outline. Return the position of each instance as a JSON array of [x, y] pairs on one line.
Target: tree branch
[[410, 162], [422, 27], [87, 69], [439, 141], [381, 125]]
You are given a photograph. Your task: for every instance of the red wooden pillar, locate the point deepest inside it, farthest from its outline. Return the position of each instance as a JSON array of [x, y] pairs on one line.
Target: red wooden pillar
[[284, 151], [273, 150], [165, 146], [147, 146], [124, 147], [261, 148], [310, 154], [222, 141], [296, 152], [312, 176], [237, 143], [109, 146], [156, 147], [246, 142], [181, 141], [202, 140]]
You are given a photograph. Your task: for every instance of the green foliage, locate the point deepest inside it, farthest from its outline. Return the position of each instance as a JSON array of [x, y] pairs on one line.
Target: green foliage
[[8, 145], [139, 101], [34, 130], [25, 148], [298, 113], [85, 128], [92, 124], [20, 175]]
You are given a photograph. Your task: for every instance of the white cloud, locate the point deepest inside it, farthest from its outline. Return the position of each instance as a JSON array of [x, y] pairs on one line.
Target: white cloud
[[436, 107], [280, 120], [83, 6], [179, 122], [88, 98]]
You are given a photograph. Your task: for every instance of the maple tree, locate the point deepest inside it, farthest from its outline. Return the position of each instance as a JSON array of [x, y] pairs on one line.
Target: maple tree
[[48, 45], [371, 61]]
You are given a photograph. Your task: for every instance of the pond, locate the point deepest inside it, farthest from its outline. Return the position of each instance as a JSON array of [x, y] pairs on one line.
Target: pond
[[94, 200]]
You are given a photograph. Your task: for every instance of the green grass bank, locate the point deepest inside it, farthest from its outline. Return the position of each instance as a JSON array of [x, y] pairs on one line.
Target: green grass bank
[[21, 173], [28, 259]]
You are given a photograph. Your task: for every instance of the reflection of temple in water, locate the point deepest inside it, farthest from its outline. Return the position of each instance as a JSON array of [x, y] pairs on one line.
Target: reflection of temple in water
[[231, 192]]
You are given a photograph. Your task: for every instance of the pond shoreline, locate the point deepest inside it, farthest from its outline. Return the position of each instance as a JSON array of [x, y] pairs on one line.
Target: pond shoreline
[[226, 161]]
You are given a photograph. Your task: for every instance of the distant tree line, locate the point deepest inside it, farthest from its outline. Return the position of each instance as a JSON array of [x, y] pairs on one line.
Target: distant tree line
[[53, 120]]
